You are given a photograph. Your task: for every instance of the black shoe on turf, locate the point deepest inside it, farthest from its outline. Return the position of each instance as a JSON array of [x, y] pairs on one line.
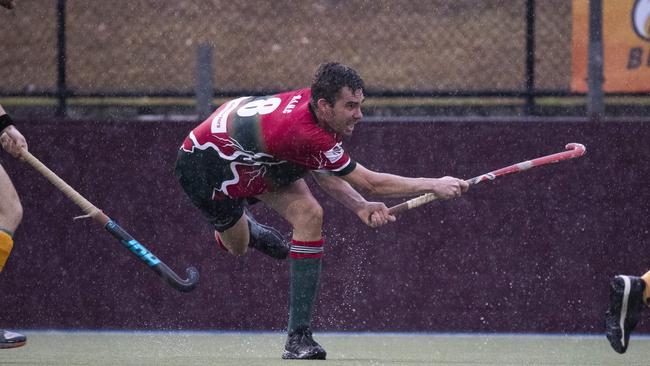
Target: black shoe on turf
[[625, 304], [301, 346], [9, 339], [266, 239]]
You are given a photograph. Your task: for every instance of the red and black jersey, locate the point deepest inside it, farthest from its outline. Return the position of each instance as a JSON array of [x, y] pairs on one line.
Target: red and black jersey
[[268, 141]]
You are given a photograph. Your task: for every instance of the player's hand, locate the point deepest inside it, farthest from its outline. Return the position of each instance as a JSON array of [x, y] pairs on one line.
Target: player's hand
[[9, 4], [13, 141], [449, 187], [375, 214]]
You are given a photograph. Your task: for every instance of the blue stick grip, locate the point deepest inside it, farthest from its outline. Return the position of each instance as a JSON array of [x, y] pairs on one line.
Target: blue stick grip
[[166, 273]]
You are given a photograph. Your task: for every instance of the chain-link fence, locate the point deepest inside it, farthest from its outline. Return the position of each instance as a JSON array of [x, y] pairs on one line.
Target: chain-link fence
[[399, 46]]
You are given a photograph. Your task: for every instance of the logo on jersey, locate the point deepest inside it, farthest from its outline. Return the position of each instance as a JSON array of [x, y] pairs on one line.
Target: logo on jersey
[[218, 124], [220, 121], [335, 153]]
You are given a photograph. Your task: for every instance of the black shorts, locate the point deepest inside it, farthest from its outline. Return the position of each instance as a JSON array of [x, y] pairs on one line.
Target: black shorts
[[198, 182]]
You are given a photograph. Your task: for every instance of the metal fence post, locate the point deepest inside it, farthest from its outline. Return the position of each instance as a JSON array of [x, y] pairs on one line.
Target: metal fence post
[[529, 107], [595, 78], [61, 87], [204, 81]]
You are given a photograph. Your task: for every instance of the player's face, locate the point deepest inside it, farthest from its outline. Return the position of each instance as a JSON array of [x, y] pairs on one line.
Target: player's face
[[346, 112]]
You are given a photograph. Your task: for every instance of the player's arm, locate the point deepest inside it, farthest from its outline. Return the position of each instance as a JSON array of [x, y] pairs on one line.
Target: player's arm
[[373, 214], [387, 185], [10, 138]]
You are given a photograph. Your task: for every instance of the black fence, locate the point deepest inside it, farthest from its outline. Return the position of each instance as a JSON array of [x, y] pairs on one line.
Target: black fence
[[403, 48]]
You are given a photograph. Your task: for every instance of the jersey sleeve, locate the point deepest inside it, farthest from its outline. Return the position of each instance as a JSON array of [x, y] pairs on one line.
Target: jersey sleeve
[[334, 161], [319, 155]]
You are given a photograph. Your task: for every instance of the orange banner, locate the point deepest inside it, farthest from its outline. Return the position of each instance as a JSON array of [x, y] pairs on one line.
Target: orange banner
[[626, 45]]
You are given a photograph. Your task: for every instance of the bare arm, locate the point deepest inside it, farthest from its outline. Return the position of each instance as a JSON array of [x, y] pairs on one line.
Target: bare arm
[[10, 138], [373, 214], [393, 186]]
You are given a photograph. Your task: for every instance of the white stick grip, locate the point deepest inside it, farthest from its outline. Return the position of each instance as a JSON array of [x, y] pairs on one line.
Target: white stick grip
[[421, 200]]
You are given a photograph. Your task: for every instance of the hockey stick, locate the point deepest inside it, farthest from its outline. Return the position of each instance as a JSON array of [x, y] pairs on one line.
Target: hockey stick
[[166, 273], [574, 150]]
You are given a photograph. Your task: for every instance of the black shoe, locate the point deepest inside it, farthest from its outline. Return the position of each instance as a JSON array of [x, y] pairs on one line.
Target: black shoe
[[9, 339], [267, 240], [301, 346], [625, 304]]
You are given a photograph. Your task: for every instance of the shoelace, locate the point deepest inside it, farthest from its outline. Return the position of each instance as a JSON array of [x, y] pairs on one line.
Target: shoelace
[[303, 336]]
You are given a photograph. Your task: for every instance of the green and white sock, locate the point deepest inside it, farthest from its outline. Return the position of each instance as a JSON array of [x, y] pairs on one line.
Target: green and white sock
[[306, 262]]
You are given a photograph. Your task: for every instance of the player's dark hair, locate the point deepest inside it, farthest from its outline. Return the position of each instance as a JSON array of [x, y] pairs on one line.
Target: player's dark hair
[[330, 79]]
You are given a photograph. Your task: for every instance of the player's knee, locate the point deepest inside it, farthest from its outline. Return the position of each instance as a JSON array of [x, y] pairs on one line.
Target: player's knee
[[310, 216]]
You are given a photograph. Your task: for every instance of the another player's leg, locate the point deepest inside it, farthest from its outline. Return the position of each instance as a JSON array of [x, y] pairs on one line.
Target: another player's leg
[[646, 291], [11, 213], [9, 339], [297, 205], [627, 299]]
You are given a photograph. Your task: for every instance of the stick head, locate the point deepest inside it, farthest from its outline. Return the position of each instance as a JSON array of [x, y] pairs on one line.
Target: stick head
[[579, 149], [190, 283]]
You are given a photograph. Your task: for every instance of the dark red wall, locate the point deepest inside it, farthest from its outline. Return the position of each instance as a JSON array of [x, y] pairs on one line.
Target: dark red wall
[[530, 252]]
